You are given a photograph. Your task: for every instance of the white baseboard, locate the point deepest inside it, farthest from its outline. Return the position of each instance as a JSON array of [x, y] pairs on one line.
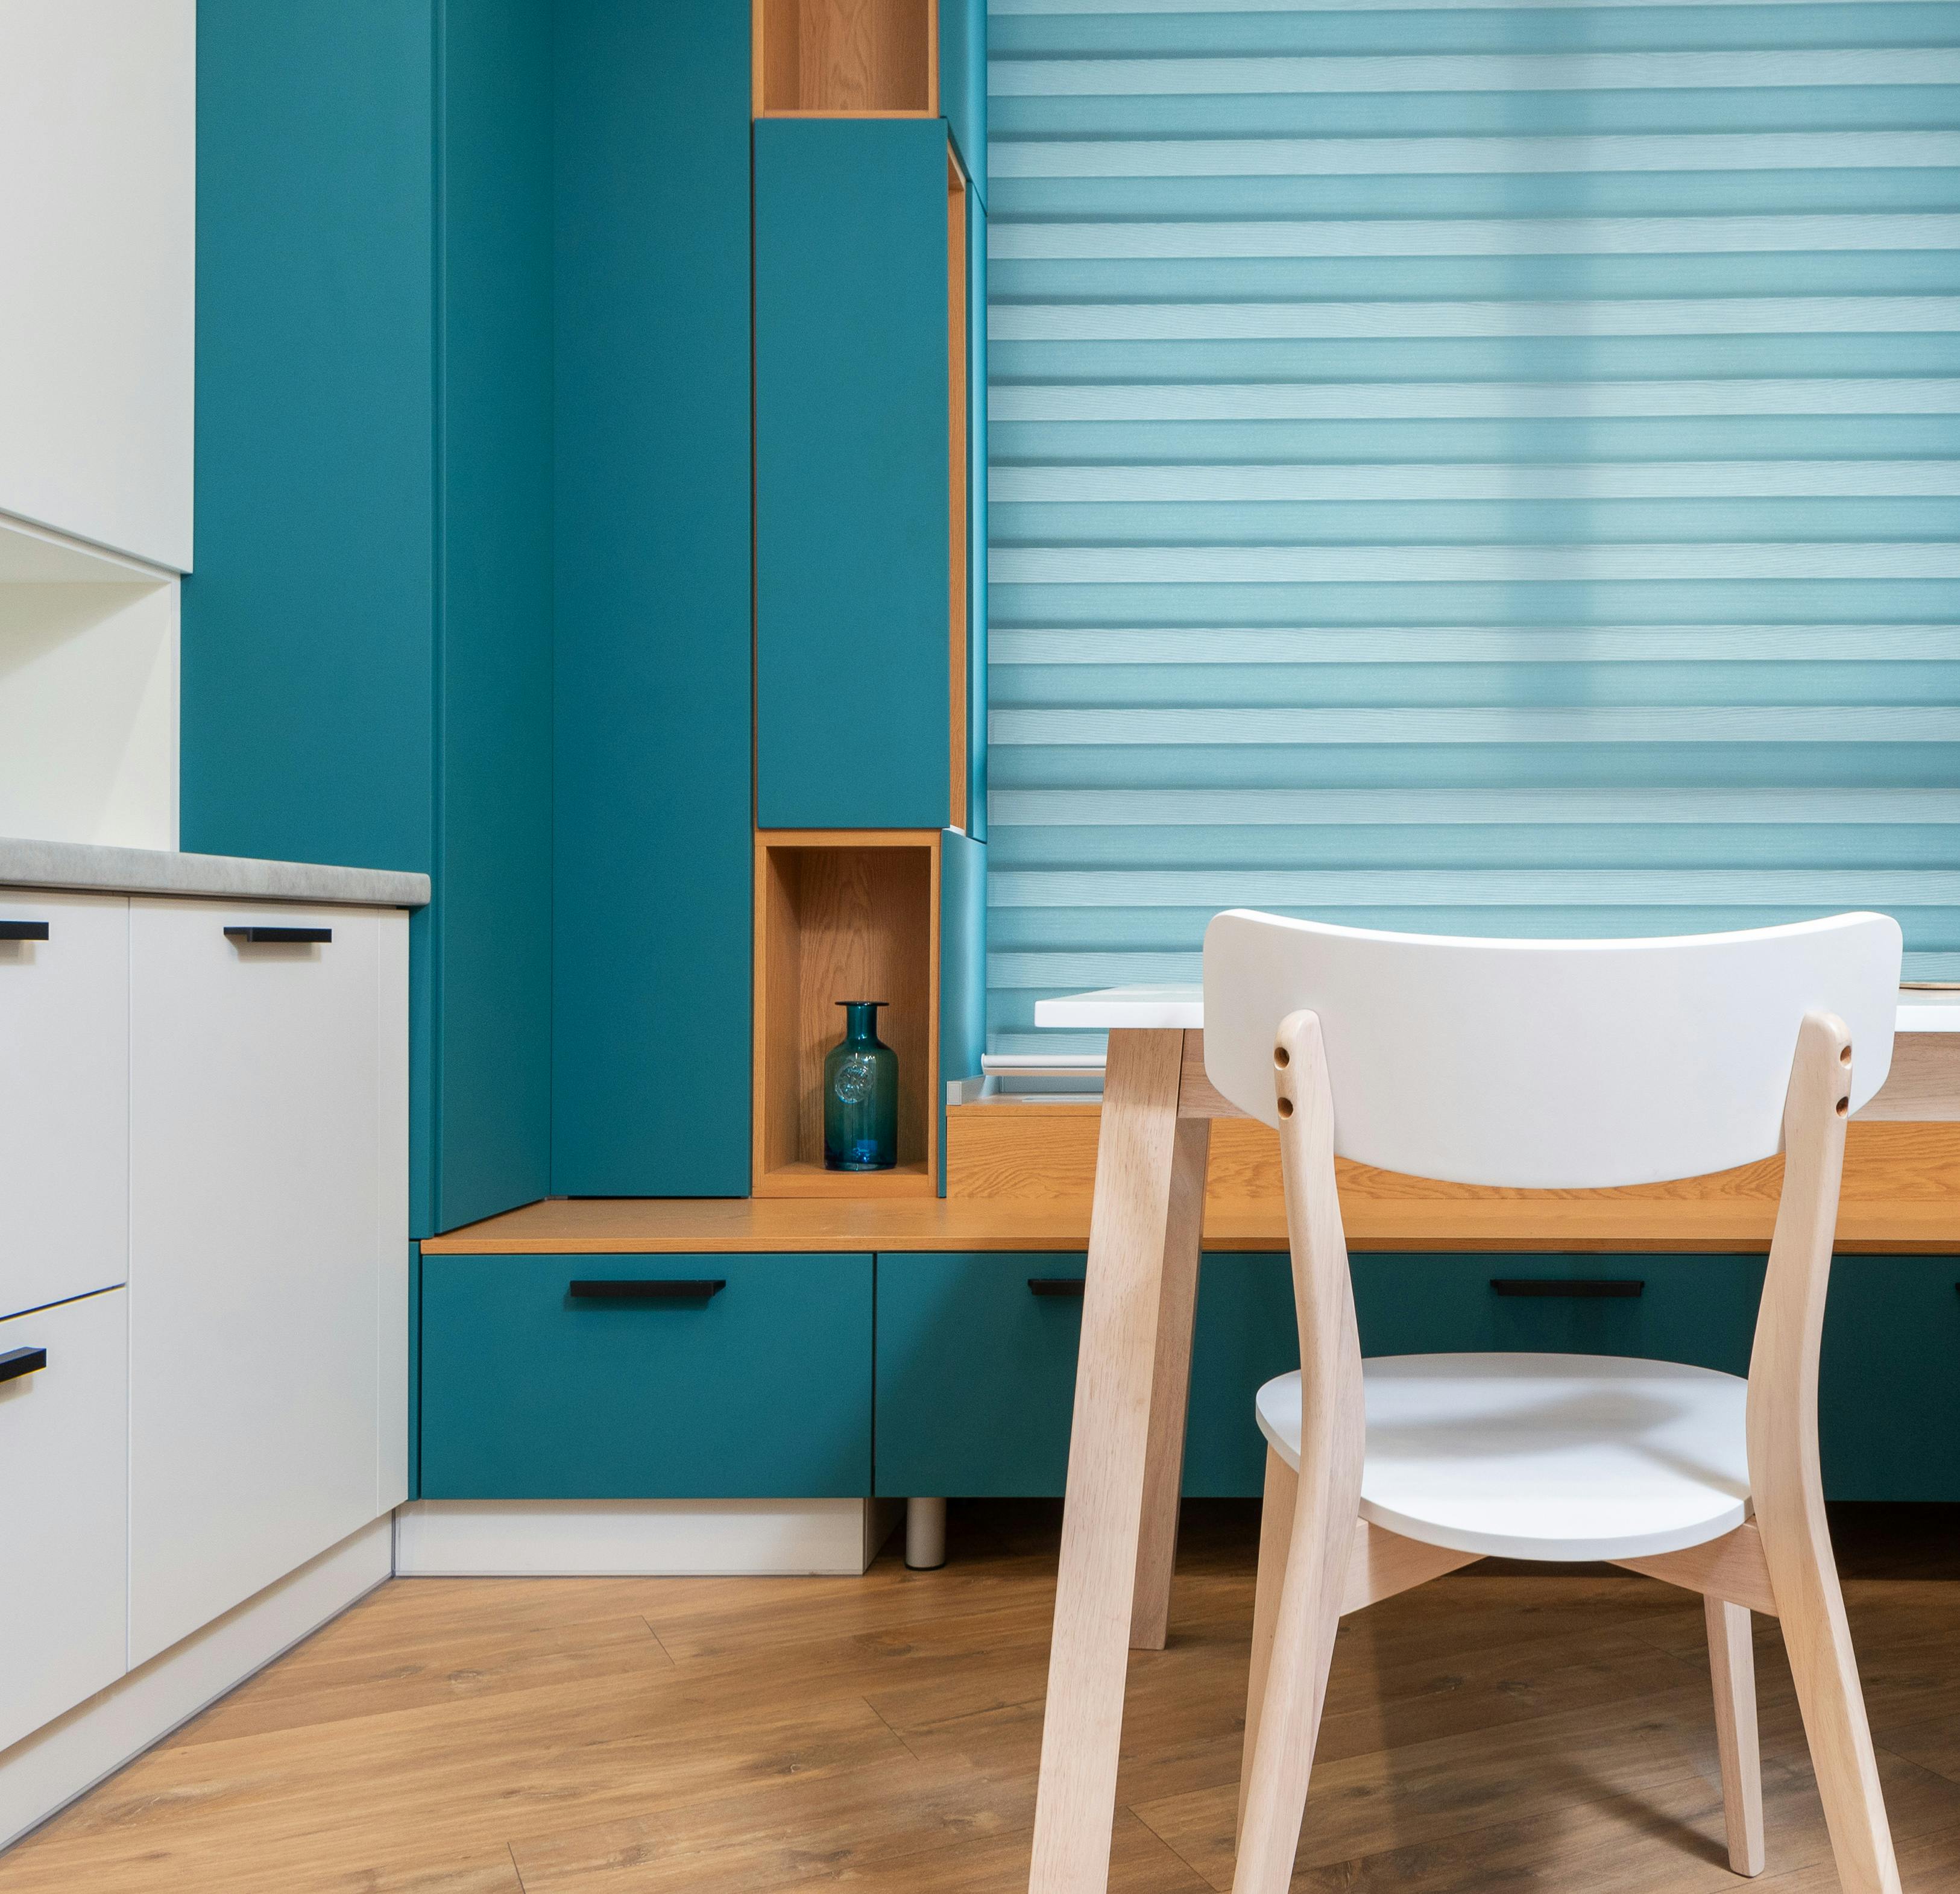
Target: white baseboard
[[638, 1538], [44, 1771]]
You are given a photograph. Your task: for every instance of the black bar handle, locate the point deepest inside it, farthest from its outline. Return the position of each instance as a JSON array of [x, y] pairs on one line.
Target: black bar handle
[[17, 1361], [278, 936], [1056, 1284], [1567, 1285], [658, 1288], [23, 930]]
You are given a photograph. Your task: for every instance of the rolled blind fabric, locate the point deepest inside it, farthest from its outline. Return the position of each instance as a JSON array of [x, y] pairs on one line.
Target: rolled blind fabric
[[1481, 468]]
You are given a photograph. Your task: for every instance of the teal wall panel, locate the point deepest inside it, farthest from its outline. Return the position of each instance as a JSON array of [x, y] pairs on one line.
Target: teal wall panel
[[962, 966], [851, 472], [761, 1391], [492, 921], [1509, 490], [365, 635], [652, 934], [309, 673]]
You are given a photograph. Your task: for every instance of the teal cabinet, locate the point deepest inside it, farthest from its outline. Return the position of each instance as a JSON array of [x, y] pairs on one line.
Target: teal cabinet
[[366, 638], [1888, 1403], [853, 474], [962, 81], [976, 524], [762, 1390], [653, 677], [975, 1374]]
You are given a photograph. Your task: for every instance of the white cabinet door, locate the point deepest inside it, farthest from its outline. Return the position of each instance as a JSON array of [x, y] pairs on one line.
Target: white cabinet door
[[255, 1083], [98, 147], [64, 1494], [64, 1097]]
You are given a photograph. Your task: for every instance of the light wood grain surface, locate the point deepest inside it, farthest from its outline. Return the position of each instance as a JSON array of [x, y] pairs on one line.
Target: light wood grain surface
[[760, 1735], [1022, 1176]]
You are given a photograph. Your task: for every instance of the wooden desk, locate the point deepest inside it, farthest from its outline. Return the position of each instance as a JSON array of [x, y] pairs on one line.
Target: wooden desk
[[1125, 1458]]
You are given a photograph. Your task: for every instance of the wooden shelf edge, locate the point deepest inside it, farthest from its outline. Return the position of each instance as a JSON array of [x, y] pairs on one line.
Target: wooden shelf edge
[[813, 1180]]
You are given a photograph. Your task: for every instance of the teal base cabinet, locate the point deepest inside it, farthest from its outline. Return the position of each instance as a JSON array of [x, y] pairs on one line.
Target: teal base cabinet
[[1889, 1406], [976, 1372], [761, 1390]]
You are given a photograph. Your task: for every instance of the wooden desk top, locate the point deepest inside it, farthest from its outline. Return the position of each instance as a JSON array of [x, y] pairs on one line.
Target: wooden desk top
[[1901, 1197]]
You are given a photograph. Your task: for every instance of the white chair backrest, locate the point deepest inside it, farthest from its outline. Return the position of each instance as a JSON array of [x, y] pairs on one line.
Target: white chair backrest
[[1548, 1063]]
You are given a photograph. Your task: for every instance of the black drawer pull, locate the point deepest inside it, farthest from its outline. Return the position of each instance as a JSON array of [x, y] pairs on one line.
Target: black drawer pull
[[659, 1289], [278, 936], [1056, 1284], [1567, 1285], [23, 930], [17, 1361]]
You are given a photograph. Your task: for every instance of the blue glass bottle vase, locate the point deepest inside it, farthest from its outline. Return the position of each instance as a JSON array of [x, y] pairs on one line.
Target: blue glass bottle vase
[[860, 1094]]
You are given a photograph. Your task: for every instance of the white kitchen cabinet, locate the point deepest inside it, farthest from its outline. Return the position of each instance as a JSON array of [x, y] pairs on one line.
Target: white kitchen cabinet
[[267, 1230], [64, 1494], [65, 1103], [98, 146]]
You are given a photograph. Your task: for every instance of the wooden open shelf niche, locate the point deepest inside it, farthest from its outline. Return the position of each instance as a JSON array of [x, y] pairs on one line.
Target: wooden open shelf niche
[[846, 59], [844, 914]]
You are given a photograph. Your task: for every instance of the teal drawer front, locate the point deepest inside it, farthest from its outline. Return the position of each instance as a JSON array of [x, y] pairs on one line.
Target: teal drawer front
[[976, 1373], [762, 1390], [976, 1376], [1889, 1405], [1700, 1309]]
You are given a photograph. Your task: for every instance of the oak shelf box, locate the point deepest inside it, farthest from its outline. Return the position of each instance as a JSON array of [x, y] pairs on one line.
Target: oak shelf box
[[844, 914], [846, 59]]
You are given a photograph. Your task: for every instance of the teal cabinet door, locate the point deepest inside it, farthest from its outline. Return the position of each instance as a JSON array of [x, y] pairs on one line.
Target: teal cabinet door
[[963, 81], [1246, 1333], [531, 1391], [853, 564], [653, 680], [1888, 1403], [976, 1373]]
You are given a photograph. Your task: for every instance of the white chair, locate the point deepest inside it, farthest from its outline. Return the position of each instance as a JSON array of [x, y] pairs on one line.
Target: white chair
[[1558, 1064]]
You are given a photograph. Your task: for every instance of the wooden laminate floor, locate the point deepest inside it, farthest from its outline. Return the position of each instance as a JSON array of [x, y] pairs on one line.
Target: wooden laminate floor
[[1486, 1733]]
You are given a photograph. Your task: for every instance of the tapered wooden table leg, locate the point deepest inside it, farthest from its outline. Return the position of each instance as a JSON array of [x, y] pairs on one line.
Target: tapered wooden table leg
[[1143, 1200], [1170, 1389]]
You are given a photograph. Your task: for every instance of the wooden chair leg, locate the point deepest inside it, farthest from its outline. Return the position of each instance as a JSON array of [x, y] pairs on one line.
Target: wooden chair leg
[[1731, 1662], [1811, 1611], [1275, 1538], [1304, 1623]]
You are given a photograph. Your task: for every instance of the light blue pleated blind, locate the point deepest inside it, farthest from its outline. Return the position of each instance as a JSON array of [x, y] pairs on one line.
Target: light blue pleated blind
[[1480, 469]]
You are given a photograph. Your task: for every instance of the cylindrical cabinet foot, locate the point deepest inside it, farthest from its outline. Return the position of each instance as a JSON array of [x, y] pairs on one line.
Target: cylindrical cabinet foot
[[925, 1534]]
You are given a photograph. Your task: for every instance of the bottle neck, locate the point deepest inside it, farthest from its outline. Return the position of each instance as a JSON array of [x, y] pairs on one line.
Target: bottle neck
[[861, 1023]]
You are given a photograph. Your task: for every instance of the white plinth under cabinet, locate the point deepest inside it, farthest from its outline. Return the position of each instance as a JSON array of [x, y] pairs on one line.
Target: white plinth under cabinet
[[63, 1493], [65, 1104]]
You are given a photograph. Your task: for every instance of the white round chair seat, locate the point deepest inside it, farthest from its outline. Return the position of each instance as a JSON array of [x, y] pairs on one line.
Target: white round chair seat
[[1557, 1457]]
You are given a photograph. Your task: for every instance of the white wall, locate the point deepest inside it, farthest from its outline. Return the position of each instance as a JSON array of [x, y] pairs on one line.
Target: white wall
[[98, 269], [88, 713]]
